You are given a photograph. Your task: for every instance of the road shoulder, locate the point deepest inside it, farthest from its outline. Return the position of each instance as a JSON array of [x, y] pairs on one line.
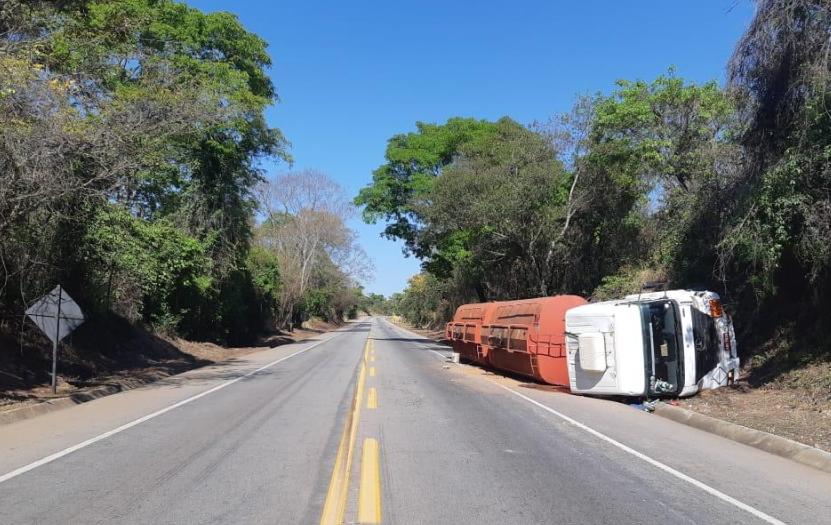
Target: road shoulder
[[215, 356], [786, 448]]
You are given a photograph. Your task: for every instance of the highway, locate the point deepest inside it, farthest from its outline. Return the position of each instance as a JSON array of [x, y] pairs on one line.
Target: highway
[[372, 424]]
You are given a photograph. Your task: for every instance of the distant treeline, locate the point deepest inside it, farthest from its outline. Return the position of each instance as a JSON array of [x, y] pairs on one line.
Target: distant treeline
[[131, 132], [696, 185]]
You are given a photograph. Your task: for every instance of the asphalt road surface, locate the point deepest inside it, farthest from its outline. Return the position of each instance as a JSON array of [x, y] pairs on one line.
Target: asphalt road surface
[[371, 424]]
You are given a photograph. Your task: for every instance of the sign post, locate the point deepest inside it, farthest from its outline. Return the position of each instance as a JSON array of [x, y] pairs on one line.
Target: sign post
[[57, 315]]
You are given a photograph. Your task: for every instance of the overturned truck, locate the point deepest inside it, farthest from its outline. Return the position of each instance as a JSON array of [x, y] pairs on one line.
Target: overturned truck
[[658, 344]]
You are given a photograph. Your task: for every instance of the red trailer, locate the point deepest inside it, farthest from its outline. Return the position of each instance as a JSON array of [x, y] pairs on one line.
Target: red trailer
[[528, 337], [465, 330]]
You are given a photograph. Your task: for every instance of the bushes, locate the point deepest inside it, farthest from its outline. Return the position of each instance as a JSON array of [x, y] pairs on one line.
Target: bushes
[[154, 273], [420, 302], [627, 281], [145, 271], [264, 269]]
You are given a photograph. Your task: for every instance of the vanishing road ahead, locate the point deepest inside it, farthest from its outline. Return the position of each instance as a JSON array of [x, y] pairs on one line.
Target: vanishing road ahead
[[370, 423]]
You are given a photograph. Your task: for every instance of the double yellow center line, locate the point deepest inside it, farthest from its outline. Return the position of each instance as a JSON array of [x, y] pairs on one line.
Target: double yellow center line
[[369, 490]]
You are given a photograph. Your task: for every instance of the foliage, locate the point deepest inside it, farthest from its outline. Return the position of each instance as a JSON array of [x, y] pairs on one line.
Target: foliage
[[521, 212], [626, 281], [670, 181], [662, 146], [130, 135], [496, 212], [149, 271], [420, 301], [373, 304], [413, 161], [774, 247], [265, 273]]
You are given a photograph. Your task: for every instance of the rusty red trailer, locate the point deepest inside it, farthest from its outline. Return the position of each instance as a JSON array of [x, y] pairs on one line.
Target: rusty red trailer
[[465, 331], [528, 337]]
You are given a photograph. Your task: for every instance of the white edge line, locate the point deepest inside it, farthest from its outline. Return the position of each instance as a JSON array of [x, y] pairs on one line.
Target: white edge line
[[445, 357], [421, 345], [57, 455], [654, 462], [666, 468]]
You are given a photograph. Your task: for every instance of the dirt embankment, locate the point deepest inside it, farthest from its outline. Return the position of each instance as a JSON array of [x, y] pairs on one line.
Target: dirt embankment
[[112, 353], [795, 404], [785, 385]]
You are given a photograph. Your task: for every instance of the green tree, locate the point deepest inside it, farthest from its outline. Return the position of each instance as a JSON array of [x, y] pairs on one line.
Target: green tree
[[496, 213], [147, 105], [147, 271], [779, 225], [413, 161], [373, 304], [420, 302], [661, 146]]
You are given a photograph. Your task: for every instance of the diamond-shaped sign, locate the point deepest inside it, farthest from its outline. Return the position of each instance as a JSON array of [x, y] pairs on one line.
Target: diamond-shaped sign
[[56, 314]]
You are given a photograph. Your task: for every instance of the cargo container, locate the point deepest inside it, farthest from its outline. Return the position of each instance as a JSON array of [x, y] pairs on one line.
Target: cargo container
[[658, 344], [527, 337], [465, 330]]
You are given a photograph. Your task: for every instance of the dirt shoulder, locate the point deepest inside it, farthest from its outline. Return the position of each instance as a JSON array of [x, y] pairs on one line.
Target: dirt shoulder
[[119, 356], [795, 405]]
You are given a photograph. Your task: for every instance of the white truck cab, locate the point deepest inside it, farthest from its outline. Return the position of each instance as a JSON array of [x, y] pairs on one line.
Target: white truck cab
[[656, 344]]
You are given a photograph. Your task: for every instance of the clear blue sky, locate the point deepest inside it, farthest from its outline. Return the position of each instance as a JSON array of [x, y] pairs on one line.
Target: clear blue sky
[[352, 74]]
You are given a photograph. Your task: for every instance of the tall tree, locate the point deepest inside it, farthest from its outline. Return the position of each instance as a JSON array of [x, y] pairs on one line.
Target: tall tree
[[413, 161], [305, 227], [777, 240], [662, 144], [497, 212], [149, 106]]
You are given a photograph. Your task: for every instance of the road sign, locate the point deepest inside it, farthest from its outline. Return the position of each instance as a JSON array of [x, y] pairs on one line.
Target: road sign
[[57, 315]]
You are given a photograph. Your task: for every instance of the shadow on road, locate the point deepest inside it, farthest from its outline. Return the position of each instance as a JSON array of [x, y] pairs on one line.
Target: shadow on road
[[221, 371], [539, 386], [405, 339], [359, 328]]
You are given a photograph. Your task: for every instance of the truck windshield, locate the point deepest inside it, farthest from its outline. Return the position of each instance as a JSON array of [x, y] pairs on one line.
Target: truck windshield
[[663, 348]]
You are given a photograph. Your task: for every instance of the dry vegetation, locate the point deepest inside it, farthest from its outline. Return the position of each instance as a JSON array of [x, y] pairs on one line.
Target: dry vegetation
[[780, 392]]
